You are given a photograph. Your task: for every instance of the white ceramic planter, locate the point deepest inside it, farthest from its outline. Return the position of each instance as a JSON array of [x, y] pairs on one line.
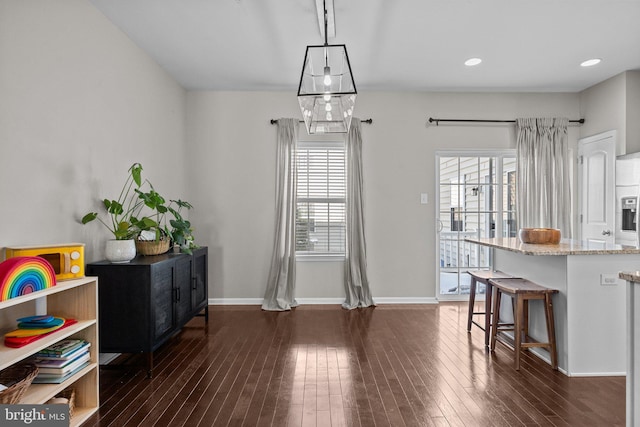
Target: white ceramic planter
[[118, 251]]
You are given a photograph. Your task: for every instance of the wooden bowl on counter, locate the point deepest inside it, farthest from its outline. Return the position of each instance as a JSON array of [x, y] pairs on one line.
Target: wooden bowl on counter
[[539, 236]]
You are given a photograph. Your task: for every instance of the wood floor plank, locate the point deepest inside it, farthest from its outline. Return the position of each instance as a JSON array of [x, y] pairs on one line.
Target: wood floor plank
[[227, 395], [194, 393], [157, 387], [247, 388], [264, 386], [404, 365], [141, 392], [164, 394], [205, 396]]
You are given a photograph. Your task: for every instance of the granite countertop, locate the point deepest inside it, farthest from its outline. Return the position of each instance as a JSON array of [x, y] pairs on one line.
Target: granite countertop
[[631, 276], [565, 247]]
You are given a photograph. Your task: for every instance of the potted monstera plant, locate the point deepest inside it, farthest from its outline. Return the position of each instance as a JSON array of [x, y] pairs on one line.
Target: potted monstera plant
[[181, 232], [119, 213]]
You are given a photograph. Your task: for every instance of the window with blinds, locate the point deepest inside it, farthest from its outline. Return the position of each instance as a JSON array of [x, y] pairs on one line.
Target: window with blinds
[[320, 211]]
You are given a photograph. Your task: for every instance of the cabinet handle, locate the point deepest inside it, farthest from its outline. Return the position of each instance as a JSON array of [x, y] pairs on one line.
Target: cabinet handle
[[194, 280], [178, 294]]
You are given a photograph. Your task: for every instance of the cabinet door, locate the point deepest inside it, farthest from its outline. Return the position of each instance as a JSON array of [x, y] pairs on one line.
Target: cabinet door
[[200, 284], [183, 290], [162, 296], [124, 307]]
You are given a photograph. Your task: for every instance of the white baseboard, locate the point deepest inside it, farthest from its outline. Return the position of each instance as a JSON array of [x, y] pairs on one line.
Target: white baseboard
[[235, 301], [594, 374], [405, 300], [106, 358], [318, 301], [312, 301]]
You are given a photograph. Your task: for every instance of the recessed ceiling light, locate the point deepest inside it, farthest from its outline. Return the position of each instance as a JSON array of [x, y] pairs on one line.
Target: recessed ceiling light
[[590, 62], [472, 61]]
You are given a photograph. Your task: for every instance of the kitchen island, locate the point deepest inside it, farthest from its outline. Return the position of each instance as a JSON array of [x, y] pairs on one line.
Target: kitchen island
[[589, 308], [633, 345]]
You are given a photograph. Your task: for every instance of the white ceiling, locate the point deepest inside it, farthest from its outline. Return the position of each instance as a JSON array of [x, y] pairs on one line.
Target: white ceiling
[[526, 45]]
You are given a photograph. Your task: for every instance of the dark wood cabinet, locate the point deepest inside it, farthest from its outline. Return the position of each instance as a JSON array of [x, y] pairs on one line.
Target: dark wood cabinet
[[200, 286], [182, 297], [147, 300]]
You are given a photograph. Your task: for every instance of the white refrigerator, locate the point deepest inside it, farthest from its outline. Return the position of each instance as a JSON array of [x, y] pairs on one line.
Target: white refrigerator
[[627, 199]]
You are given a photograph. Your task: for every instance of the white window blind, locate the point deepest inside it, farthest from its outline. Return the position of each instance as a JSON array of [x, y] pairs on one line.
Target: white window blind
[[320, 212]]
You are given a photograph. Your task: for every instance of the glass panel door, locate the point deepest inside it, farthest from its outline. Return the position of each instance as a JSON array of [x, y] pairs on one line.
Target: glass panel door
[[476, 199]]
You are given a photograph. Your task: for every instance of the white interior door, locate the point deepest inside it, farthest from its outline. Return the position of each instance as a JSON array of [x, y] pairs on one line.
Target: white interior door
[[597, 160]]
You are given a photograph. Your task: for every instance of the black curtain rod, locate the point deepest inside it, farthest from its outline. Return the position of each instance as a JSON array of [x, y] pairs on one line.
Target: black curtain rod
[[437, 121], [368, 121]]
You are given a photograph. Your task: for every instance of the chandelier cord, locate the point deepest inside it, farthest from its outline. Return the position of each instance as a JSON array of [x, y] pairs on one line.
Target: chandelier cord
[[326, 43], [324, 4]]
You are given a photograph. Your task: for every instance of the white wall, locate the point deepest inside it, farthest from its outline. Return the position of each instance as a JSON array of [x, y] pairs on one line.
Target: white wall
[[632, 112], [604, 108], [233, 181], [79, 103]]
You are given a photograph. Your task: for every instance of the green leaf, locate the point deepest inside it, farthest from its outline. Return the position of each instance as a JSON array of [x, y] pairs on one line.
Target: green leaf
[[115, 208], [124, 226], [89, 217], [180, 225], [148, 222], [182, 204], [136, 173], [174, 212]]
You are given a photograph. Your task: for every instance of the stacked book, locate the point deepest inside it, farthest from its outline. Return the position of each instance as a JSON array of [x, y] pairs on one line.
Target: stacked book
[[61, 360]]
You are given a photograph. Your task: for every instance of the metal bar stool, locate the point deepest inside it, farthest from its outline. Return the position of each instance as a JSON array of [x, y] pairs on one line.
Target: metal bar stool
[[482, 276], [522, 291]]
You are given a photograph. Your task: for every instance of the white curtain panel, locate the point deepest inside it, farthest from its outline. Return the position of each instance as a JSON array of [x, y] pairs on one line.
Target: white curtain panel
[[542, 174], [279, 295], [358, 293]]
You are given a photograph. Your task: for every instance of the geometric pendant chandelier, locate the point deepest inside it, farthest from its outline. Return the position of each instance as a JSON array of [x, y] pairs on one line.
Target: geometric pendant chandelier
[[327, 91]]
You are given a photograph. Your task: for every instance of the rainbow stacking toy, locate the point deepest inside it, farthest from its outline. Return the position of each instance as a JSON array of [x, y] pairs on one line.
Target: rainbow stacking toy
[[23, 275]]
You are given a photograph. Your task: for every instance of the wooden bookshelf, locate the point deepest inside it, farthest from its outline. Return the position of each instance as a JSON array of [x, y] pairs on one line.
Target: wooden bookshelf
[[77, 299]]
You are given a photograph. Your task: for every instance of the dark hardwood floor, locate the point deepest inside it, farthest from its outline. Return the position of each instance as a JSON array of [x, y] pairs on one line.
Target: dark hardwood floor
[[325, 366]]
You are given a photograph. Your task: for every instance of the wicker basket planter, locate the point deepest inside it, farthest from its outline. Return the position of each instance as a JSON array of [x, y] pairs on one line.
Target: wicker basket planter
[[20, 378], [152, 247]]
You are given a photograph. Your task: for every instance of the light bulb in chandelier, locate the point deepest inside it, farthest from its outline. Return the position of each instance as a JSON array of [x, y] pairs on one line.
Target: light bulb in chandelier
[[327, 76], [327, 107], [329, 117], [327, 98]]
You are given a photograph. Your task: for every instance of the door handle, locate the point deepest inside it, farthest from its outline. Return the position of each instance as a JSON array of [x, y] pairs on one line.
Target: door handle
[[606, 232]]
